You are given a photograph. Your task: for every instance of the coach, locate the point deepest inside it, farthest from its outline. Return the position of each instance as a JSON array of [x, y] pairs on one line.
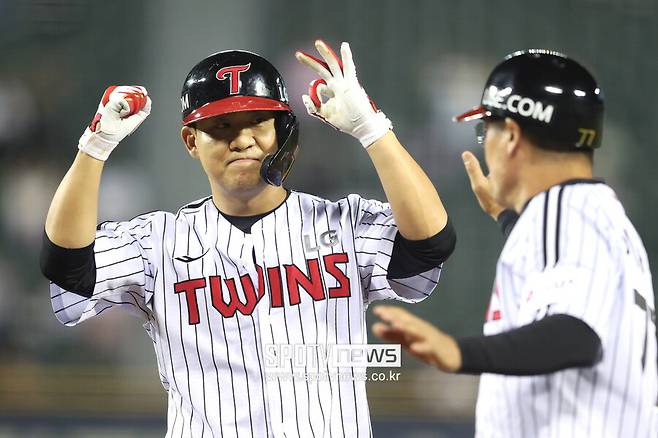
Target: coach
[[569, 347]]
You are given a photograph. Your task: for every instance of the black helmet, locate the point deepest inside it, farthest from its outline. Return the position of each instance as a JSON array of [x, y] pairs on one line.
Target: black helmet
[[237, 80], [549, 95]]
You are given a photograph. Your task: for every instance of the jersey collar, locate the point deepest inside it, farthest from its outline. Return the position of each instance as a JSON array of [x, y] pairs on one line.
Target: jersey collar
[[568, 182]]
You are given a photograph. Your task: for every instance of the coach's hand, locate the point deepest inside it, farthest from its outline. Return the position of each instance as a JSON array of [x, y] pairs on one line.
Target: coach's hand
[[481, 186], [121, 110], [338, 99], [420, 338]]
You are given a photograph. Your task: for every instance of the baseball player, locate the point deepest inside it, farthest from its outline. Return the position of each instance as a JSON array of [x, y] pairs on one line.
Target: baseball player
[[569, 346], [254, 264]]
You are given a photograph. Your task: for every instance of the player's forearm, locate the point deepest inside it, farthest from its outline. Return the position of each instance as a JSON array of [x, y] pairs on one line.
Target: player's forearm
[[554, 343], [73, 213], [416, 205]]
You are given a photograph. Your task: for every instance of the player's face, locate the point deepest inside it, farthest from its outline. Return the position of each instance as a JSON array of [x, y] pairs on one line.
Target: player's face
[[231, 148], [501, 173]]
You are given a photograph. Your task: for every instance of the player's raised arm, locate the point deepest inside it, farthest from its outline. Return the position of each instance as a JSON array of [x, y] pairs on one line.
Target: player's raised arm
[[72, 217], [339, 100], [67, 254]]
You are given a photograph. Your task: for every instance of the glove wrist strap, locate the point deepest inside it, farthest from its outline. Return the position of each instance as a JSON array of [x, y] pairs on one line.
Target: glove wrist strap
[[372, 129], [92, 144]]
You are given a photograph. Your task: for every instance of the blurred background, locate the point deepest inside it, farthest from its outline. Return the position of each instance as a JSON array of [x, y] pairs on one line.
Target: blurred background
[[422, 61]]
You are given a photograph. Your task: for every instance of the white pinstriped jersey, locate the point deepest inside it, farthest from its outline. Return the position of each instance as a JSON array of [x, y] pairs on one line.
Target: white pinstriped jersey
[[212, 297], [573, 251]]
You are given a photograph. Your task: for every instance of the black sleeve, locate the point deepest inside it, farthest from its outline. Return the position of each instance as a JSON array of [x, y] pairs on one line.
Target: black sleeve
[[70, 269], [551, 344], [412, 257], [506, 220]]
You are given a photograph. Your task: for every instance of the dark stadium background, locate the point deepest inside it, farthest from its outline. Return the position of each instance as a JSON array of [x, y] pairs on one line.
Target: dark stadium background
[[422, 61]]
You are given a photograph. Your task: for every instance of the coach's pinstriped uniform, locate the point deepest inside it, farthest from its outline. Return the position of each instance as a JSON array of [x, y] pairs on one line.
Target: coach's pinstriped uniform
[[574, 251], [211, 297]]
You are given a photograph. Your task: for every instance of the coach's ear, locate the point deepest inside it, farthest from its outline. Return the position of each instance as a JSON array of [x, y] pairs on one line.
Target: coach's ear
[[513, 141], [188, 134]]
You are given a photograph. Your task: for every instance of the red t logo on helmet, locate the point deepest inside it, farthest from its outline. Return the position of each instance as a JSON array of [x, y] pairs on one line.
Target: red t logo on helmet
[[233, 74]]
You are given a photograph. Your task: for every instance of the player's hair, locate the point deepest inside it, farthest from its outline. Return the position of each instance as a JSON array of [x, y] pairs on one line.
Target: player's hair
[[540, 140], [549, 144]]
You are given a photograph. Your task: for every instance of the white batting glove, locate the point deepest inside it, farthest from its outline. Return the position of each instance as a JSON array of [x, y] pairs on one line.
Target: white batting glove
[[338, 99], [121, 110]]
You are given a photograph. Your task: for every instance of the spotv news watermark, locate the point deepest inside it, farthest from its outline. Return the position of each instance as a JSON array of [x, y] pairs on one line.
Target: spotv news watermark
[[280, 357], [311, 362]]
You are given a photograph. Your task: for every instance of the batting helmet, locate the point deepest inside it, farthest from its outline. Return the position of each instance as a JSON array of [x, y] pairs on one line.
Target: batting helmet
[[237, 80], [549, 95]]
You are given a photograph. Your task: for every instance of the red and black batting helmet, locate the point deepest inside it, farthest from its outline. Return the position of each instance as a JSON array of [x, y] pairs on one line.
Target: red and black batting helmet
[[237, 80], [548, 94]]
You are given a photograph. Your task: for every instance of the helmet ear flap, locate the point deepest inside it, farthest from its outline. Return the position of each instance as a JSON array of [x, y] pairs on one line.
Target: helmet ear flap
[[284, 123], [275, 168]]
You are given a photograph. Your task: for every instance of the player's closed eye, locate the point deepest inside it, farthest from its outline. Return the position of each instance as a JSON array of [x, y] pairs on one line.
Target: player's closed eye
[[225, 126], [261, 122], [217, 129]]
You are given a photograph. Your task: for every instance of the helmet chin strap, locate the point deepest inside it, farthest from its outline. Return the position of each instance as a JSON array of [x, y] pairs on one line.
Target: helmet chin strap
[[275, 167]]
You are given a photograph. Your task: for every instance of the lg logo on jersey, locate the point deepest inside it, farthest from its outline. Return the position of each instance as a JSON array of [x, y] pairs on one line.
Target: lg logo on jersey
[[289, 278], [326, 240]]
